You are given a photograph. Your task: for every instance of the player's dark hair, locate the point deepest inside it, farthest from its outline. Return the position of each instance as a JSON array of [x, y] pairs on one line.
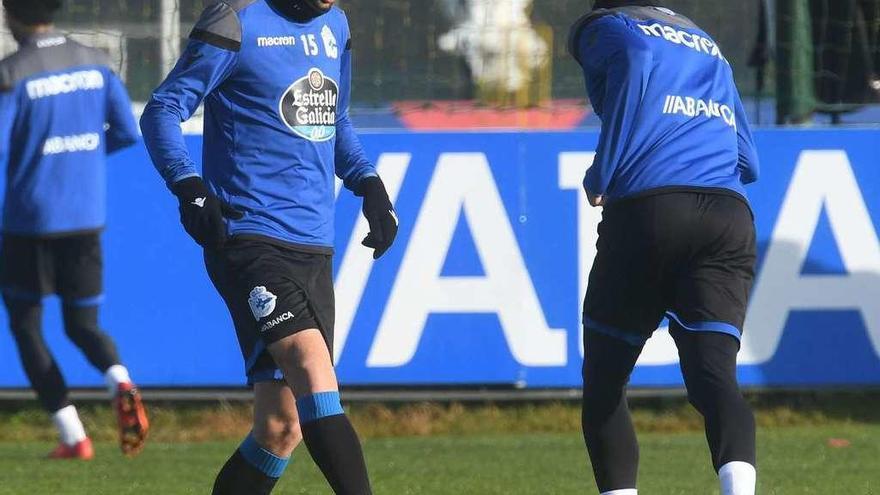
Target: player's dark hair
[[32, 12], [610, 4]]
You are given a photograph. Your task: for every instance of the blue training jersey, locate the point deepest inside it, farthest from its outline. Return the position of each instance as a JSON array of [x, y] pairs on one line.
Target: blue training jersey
[[276, 128], [671, 114], [62, 110]]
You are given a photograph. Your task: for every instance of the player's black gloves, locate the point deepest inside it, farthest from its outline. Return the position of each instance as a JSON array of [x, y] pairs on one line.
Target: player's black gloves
[[380, 214], [202, 213]]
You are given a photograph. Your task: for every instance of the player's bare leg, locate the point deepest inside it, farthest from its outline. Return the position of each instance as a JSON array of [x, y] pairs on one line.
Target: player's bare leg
[[276, 422], [259, 462], [305, 361]]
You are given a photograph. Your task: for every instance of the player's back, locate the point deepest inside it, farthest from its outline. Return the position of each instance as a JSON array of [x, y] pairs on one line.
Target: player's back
[[671, 113], [58, 96]]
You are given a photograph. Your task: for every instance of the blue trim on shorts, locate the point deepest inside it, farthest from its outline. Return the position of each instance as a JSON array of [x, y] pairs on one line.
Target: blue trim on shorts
[[268, 463], [21, 295], [707, 326], [628, 337], [259, 347], [260, 375], [265, 375], [317, 406], [85, 302]]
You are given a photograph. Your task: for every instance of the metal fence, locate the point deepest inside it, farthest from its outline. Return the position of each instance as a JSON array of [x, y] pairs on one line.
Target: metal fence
[[501, 50]]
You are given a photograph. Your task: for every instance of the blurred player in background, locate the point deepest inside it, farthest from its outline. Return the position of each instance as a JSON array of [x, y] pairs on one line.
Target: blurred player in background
[[677, 237], [62, 110], [275, 77]]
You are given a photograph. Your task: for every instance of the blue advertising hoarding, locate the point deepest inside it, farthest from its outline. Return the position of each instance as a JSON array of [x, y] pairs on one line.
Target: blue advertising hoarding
[[484, 285]]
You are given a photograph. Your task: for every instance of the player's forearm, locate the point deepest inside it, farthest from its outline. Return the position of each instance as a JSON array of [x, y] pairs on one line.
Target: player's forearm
[[748, 162], [7, 117], [121, 134], [164, 140], [122, 129], [748, 166], [597, 179], [352, 164]]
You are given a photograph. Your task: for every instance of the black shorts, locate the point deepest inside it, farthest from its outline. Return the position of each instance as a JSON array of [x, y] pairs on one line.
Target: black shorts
[[70, 266], [272, 291], [689, 256]]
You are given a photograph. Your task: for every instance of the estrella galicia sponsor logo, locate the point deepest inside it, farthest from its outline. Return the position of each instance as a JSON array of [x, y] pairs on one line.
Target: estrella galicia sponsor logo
[[308, 107], [262, 302], [269, 325], [695, 107]]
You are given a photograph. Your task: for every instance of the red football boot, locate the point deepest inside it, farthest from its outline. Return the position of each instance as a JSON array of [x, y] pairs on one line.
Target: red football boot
[[132, 416], [82, 451]]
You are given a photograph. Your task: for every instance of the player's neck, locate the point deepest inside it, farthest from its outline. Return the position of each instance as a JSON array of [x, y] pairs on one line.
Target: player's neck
[[297, 10], [23, 34]]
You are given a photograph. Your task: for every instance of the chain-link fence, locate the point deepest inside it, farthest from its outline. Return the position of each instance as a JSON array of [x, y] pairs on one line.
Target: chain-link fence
[[828, 57], [405, 49], [513, 53]]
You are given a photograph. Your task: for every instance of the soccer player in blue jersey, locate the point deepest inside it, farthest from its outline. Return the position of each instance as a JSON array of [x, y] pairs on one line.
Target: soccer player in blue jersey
[[62, 110], [677, 237], [275, 77]]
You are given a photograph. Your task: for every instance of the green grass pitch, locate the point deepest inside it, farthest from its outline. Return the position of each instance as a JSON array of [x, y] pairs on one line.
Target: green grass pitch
[[796, 460]]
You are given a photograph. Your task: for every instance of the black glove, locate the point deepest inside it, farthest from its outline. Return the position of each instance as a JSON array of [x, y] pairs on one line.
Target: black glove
[[202, 213], [380, 214]]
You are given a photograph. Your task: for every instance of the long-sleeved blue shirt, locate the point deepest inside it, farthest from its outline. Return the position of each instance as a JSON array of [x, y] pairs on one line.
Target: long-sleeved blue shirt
[[276, 127], [671, 114], [62, 110]]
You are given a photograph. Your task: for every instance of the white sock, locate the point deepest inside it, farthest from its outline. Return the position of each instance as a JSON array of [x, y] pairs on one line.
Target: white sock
[[737, 478], [115, 375], [626, 491], [70, 428]]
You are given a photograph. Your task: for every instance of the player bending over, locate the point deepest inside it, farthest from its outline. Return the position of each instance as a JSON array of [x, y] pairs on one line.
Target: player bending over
[[677, 237], [62, 110], [275, 78]]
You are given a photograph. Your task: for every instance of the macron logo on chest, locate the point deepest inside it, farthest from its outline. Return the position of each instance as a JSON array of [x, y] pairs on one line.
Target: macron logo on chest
[[270, 41]]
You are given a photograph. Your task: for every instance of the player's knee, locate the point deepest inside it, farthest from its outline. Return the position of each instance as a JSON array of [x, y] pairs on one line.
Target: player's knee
[[600, 399], [24, 318], [712, 396], [602, 387], [80, 320], [279, 434], [309, 368]]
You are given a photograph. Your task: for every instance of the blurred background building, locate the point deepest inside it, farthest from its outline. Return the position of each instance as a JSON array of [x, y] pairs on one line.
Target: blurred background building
[[503, 63]]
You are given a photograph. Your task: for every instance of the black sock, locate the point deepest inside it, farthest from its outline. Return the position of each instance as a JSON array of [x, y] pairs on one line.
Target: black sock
[[333, 443], [251, 470]]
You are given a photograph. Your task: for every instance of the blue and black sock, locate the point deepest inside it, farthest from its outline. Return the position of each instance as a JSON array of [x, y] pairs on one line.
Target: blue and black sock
[[333, 443], [252, 470]]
